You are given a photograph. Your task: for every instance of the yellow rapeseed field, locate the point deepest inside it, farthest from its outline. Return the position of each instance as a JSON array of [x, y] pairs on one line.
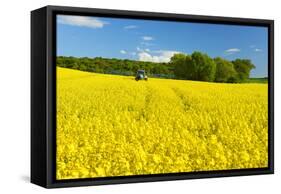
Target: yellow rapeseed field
[[109, 125]]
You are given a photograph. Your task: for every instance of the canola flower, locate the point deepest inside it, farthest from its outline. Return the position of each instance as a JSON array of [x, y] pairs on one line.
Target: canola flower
[[109, 125]]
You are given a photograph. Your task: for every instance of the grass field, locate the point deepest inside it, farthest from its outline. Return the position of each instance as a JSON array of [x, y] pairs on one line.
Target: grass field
[[109, 125], [257, 80]]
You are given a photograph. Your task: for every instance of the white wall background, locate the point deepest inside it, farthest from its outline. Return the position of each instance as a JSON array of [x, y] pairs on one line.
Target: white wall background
[[15, 95]]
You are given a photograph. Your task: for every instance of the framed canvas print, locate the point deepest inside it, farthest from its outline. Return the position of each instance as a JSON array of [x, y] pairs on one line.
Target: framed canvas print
[[126, 96]]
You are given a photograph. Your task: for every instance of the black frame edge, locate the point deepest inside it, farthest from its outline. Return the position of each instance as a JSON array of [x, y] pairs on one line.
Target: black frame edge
[[160, 178], [271, 95], [38, 97], [50, 100], [160, 15]]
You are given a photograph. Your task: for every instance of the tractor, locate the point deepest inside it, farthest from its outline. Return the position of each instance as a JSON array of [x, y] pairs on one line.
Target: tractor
[[141, 75]]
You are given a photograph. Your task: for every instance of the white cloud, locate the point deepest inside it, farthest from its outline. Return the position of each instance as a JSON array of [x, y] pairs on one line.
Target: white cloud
[[82, 21], [147, 38], [254, 47], [143, 50], [232, 50], [133, 53], [123, 52], [258, 50], [162, 56], [130, 27], [147, 43], [143, 56]]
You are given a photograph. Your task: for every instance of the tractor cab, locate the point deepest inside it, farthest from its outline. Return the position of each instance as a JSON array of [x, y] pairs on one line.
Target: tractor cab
[[141, 75]]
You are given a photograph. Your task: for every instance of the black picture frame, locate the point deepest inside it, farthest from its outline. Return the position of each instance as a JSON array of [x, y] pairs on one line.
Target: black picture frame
[[43, 96]]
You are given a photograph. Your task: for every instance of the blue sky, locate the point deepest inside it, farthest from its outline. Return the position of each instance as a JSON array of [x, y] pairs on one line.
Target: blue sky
[[158, 41]]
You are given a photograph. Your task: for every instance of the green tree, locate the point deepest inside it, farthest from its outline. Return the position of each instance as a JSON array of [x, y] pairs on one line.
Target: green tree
[[198, 66], [243, 68], [180, 66], [225, 71], [203, 67]]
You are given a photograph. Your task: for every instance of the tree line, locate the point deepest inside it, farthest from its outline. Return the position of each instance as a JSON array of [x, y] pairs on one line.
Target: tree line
[[116, 66], [197, 66]]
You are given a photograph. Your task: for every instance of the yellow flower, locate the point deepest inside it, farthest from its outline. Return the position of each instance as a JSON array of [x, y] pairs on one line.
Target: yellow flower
[[109, 125]]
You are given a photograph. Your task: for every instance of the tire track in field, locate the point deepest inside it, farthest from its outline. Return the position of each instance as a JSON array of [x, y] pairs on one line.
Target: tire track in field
[[147, 102], [183, 97]]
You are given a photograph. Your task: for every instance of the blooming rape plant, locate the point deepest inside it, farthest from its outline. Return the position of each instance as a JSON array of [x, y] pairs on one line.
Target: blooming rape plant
[[111, 125]]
